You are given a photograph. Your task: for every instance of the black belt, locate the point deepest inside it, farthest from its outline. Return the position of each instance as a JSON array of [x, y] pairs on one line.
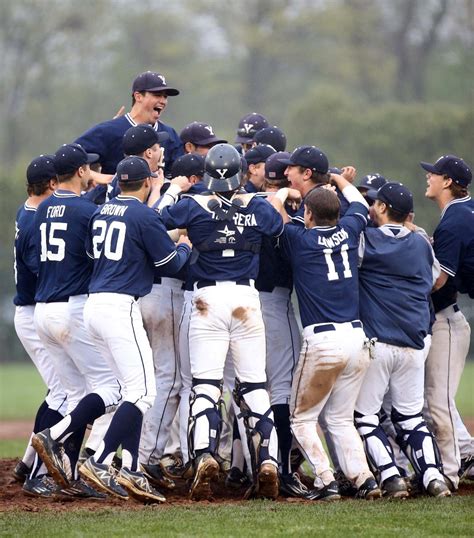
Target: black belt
[[58, 300], [456, 307], [331, 327], [204, 283]]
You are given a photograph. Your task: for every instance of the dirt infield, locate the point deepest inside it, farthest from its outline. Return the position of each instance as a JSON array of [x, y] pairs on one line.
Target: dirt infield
[[13, 498]]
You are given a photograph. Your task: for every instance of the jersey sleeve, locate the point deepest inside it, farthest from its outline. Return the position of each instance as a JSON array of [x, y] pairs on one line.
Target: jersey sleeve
[[447, 247], [355, 218], [93, 141], [177, 215], [30, 252], [288, 239], [270, 222]]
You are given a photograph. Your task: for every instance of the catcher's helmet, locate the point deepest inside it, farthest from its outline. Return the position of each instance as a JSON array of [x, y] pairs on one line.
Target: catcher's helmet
[[222, 168]]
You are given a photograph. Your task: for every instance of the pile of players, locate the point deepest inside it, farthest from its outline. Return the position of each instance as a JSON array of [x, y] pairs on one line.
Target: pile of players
[[154, 271]]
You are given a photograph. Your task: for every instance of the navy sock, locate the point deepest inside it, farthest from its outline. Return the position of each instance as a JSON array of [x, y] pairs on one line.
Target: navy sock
[[50, 418], [123, 430], [281, 413], [72, 448], [87, 410], [39, 414]]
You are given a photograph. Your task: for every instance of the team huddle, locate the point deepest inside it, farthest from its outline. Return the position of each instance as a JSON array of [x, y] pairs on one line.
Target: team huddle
[[154, 276]]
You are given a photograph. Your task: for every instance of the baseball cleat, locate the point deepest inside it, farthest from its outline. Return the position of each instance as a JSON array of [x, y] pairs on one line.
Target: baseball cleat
[[136, 483], [267, 481], [438, 488], [346, 487], [21, 471], [156, 476], [78, 489], [395, 488], [103, 477], [291, 485], [369, 490], [466, 470], [237, 479], [326, 493], [38, 487], [207, 469], [51, 453], [173, 466]]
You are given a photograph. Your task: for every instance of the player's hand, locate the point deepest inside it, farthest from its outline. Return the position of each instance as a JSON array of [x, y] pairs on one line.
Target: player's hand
[[182, 182], [329, 187], [349, 173], [120, 112], [184, 239], [294, 195], [157, 182]]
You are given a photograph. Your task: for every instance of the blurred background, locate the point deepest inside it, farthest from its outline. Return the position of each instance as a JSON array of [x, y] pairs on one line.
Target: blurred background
[[379, 84]]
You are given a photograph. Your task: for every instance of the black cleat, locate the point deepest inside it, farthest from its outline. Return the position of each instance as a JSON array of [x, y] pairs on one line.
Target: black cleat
[[466, 470], [173, 466], [78, 489], [291, 486], [156, 476], [395, 488], [51, 453], [326, 493], [137, 484], [207, 470], [21, 472], [102, 476], [369, 490], [38, 487], [237, 479], [346, 487]]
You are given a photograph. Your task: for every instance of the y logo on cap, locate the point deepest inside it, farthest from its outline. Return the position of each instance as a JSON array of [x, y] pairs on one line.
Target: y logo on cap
[[221, 172], [248, 127], [209, 128]]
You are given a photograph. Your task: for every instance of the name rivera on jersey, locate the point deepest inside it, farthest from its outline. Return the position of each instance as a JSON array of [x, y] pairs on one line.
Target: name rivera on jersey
[[241, 220], [335, 239]]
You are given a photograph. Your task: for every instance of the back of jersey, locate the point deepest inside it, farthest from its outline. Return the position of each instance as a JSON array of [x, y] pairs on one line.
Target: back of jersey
[[26, 265], [61, 228], [395, 283]]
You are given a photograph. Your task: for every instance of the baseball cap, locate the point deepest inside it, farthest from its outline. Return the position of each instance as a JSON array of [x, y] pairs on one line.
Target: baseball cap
[[334, 170], [70, 157], [271, 136], [133, 168], [188, 165], [200, 134], [395, 195], [309, 157], [149, 81], [372, 182], [258, 154], [141, 137], [454, 167], [249, 125], [274, 168], [41, 169]]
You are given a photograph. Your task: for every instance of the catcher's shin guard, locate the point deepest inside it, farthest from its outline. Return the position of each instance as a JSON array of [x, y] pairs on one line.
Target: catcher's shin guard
[[259, 426], [417, 442], [204, 415]]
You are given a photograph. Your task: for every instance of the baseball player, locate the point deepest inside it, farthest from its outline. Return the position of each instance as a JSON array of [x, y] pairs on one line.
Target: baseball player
[[255, 158], [127, 241], [41, 183], [453, 242], [226, 226], [150, 93], [271, 136], [396, 275], [199, 137], [334, 356], [63, 280], [249, 125]]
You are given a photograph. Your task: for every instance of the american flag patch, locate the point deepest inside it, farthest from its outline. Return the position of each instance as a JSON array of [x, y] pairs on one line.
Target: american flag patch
[[123, 176]]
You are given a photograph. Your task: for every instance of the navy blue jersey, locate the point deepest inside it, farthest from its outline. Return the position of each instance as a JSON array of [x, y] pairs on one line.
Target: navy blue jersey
[[395, 280], [61, 223], [453, 243], [250, 187], [274, 270], [224, 249], [106, 139], [25, 262], [97, 194], [297, 217], [324, 260], [128, 241]]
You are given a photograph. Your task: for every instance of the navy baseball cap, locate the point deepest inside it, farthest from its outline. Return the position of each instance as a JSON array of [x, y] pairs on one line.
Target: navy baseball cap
[[70, 157], [309, 157], [141, 137], [150, 81], [200, 134], [258, 154], [274, 168], [41, 169], [454, 167], [372, 182], [249, 125], [271, 136], [395, 195], [133, 168], [188, 165]]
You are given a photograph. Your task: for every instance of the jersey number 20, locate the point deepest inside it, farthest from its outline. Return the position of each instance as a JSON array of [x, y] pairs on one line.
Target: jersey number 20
[[113, 233]]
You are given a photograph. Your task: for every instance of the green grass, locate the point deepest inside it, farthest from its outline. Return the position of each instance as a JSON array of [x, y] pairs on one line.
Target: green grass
[[12, 448], [422, 517]]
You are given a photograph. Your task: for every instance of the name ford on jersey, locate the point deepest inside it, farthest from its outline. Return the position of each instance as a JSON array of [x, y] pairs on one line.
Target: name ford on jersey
[[55, 211], [114, 210], [334, 240]]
